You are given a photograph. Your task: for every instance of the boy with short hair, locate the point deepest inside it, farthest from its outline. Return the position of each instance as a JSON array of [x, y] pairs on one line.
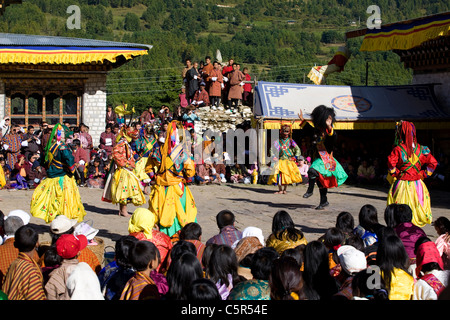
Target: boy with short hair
[[24, 280], [145, 258]]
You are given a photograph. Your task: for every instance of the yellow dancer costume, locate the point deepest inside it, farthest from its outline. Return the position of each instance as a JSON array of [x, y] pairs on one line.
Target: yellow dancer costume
[[2, 178], [58, 194], [122, 185], [170, 199], [284, 153], [143, 147]]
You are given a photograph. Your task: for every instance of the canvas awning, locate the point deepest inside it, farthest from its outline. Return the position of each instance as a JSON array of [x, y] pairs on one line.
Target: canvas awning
[[404, 35], [32, 49], [356, 107]]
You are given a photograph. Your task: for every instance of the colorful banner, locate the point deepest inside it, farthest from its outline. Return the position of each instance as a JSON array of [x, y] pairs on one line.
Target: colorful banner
[[406, 35], [318, 74], [66, 55]]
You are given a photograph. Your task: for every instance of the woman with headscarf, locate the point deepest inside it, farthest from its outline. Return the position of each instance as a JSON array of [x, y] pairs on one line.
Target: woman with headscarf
[[432, 279], [169, 165], [141, 226], [405, 165], [122, 185], [58, 194]]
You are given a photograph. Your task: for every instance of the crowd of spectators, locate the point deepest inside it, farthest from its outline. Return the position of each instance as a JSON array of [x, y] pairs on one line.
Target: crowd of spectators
[[355, 259]]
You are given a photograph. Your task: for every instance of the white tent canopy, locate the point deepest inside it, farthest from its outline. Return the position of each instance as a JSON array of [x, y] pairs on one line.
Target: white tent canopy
[[356, 107]]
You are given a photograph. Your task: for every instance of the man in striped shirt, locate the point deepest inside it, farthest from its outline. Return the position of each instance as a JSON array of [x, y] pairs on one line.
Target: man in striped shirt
[[228, 233], [24, 280]]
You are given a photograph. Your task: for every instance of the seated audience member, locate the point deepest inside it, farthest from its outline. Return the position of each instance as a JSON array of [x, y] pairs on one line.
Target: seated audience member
[[142, 226], [407, 232], [114, 276], [284, 234], [432, 279], [144, 257], [96, 174], [62, 225], [68, 247], [228, 233], [256, 288], [24, 281], [366, 173], [442, 227], [192, 232]]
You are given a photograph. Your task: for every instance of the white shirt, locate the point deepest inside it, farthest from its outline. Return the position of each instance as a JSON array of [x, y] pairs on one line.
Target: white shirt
[[423, 291]]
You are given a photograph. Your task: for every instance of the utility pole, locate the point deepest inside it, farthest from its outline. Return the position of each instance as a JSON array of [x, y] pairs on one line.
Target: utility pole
[[367, 73]]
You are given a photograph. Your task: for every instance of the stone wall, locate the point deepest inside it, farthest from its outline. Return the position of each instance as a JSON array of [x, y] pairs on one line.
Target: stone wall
[[219, 120], [94, 106], [442, 89]]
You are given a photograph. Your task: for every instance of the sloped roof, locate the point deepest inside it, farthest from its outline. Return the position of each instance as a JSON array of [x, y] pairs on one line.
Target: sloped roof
[[352, 104], [35, 49]]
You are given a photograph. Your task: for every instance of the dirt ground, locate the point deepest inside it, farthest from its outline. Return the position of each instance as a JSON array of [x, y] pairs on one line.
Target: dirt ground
[[253, 205]]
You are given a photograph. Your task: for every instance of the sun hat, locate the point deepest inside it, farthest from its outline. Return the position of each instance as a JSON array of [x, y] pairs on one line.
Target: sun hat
[[62, 224]]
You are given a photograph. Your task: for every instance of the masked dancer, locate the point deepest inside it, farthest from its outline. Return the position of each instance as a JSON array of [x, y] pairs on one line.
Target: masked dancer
[[325, 170], [284, 154], [409, 164], [169, 165], [58, 193]]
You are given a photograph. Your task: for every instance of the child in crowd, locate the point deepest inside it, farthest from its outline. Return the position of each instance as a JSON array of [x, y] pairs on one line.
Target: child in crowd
[[144, 258], [114, 276], [393, 261], [180, 275], [24, 281], [223, 270], [333, 239], [432, 279], [442, 227], [68, 247], [368, 225], [318, 282]]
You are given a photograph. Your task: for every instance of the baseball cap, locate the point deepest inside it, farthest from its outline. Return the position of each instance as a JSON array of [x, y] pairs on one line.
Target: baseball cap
[[351, 259], [68, 245], [62, 224]]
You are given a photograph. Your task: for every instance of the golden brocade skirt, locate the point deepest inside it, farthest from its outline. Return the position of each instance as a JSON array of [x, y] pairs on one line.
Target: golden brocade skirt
[[57, 196], [285, 172]]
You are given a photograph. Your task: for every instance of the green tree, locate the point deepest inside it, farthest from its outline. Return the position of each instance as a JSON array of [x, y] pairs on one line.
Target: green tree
[[131, 22]]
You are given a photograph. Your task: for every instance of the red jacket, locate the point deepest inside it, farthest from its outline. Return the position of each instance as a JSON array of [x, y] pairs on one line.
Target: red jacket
[[247, 86], [401, 168], [81, 154], [202, 96]]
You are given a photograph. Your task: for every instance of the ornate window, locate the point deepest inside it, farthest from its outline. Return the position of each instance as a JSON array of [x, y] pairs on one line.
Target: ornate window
[[31, 108]]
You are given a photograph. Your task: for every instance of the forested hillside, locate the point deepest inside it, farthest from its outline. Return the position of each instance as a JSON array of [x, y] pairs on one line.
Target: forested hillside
[[278, 40]]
